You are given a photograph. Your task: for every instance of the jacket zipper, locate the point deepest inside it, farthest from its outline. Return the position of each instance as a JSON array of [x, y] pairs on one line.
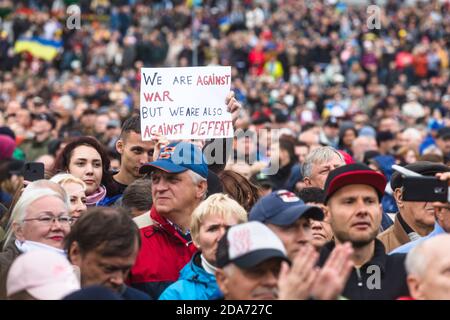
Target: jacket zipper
[[358, 274]]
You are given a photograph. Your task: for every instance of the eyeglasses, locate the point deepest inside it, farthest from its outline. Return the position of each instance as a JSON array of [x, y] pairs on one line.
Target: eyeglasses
[[49, 220]]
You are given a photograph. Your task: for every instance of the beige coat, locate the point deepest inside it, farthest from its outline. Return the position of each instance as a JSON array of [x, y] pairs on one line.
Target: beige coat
[[394, 236]]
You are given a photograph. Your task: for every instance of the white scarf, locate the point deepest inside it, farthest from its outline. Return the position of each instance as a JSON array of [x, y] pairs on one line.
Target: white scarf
[[209, 268], [28, 245]]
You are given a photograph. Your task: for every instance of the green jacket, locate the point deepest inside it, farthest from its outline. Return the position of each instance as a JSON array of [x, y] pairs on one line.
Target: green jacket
[[34, 149]]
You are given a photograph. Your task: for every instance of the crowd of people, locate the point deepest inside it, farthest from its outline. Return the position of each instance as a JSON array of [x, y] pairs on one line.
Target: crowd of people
[[331, 101]]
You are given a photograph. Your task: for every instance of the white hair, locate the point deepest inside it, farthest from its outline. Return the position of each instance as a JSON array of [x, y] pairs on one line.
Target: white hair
[[31, 194], [425, 253], [417, 261], [412, 133], [63, 178], [196, 179], [318, 156]]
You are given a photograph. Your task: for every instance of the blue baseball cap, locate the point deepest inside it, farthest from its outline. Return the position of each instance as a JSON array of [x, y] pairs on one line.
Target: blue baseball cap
[[283, 208], [178, 157]]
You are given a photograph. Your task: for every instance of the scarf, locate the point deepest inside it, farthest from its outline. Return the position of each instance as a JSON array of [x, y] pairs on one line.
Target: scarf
[[28, 246], [98, 195], [209, 268]]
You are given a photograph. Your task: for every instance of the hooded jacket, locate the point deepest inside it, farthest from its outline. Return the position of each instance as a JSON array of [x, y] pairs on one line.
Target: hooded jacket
[[383, 277], [194, 283], [163, 253]]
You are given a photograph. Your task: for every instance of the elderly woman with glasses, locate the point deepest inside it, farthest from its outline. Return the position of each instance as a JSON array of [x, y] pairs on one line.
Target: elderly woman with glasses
[[40, 220]]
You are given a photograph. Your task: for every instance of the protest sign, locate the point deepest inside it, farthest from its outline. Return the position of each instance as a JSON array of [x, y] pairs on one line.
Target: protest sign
[[185, 103]]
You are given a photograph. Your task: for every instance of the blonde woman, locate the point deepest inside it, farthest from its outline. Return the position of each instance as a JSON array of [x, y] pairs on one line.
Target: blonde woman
[[39, 221], [76, 191], [208, 224]]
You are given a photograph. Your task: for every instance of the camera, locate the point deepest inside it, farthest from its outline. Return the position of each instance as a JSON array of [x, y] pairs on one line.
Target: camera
[[425, 189]]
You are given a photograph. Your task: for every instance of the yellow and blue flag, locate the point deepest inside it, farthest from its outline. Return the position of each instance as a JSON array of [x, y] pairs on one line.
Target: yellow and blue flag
[[39, 47]]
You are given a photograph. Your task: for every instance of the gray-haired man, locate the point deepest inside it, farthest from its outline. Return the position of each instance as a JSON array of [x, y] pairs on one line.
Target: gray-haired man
[[318, 164]]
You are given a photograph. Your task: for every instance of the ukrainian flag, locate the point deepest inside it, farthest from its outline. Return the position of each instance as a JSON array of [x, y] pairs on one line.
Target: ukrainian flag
[[38, 47]]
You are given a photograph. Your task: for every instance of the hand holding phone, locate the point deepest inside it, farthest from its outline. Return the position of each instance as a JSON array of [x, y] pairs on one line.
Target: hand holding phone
[[425, 189], [33, 171]]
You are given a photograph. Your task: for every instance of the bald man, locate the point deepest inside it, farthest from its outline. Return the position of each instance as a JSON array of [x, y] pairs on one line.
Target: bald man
[[428, 267], [362, 144]]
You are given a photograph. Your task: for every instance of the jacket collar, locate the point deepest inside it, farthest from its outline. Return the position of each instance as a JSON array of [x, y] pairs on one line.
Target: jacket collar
[[160, 223], [437, 230], [195, 273], [399, 232], [379, 256]]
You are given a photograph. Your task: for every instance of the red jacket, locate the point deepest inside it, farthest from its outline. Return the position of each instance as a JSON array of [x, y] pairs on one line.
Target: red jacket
[[164, 252]]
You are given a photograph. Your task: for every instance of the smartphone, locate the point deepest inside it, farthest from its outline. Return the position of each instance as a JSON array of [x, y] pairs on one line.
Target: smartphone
[[33, 171], [425, 189]]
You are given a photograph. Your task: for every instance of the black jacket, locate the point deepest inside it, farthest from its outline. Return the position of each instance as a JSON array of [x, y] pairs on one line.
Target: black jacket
[[365, 284]]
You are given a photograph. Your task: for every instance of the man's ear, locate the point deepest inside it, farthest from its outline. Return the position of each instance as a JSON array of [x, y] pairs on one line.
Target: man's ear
[[222, 281], [438, 214], [202, 188], [18, 231], [415, 289], [326, 213], [119, 146], [307, 181], [398, 196], [74, 254]]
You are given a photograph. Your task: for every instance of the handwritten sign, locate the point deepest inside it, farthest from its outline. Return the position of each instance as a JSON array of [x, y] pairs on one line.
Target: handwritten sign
[[185, 103]]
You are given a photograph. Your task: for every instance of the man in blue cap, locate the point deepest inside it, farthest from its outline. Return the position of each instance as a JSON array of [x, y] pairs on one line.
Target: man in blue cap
[[288, 217], [178, 186]]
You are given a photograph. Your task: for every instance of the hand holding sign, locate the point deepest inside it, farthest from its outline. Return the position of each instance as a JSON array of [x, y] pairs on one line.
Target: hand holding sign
[[233, 106], [160, 142]]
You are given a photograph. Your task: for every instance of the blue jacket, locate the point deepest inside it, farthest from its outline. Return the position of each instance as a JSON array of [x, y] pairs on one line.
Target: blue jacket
[[194, 283], [407, 247]]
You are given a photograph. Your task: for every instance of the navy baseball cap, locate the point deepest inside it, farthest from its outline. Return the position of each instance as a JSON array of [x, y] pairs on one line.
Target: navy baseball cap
[[178, 157], [283, 208]]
